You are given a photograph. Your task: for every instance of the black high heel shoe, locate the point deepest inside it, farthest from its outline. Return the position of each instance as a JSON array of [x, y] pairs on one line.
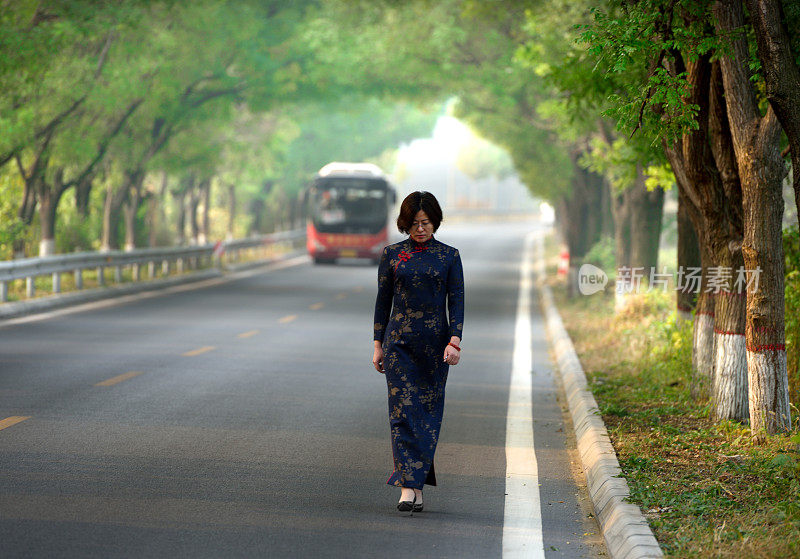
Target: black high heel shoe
[[408, 506], [415, 506]]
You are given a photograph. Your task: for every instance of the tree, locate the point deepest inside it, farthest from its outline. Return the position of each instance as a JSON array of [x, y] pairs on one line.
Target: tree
[[779, 54], [756, 144]]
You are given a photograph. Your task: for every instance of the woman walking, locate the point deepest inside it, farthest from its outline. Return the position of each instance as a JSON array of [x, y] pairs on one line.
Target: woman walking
[[419, 315]]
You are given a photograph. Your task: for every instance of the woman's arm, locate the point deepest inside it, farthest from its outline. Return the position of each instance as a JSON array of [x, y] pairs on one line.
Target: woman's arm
[[455, 297], [383, 308], [455, 310]]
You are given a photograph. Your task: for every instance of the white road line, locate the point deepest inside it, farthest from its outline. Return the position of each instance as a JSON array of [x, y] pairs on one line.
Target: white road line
[[522, 516]]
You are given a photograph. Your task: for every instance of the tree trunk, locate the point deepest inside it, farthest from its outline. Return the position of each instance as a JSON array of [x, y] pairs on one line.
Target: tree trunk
[[637, 219], [688, 256], [83, 190], [579, 218], [205, 197], [155, 210], [704, 349], [256, 210], [151, 218], [180, 220], [730, 367], [781, 75], [194, 201], [112, 211], [49, 198], [761, 171], [231, 211], [646, 218], [134, 180]]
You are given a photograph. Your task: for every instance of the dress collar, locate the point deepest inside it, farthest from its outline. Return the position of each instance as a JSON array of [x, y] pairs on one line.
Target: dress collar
[[415, 245]]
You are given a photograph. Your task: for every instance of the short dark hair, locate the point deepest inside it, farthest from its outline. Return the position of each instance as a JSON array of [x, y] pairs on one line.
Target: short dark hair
[[415, 202]]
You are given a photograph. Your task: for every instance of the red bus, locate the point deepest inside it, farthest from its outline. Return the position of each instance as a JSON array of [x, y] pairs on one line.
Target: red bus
[[348, 211]]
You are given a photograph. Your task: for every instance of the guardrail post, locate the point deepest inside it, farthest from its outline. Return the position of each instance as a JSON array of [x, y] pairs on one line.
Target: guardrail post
[[56, 282], [101, 276], [165, 267], [79, 278], [118, 274], [180, 265], [3, 291], [151, 269], [30, 287]]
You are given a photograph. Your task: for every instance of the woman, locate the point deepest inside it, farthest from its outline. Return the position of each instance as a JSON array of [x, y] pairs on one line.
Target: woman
[[417, 340]]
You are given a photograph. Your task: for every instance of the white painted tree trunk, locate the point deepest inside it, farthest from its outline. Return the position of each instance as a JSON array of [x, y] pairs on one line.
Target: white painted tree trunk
[[769, 390], [730, 377], [47, 247], [703, 355]]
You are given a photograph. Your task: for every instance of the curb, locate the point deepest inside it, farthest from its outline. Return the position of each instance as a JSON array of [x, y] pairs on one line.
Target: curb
[[51, 302], [625, 530]]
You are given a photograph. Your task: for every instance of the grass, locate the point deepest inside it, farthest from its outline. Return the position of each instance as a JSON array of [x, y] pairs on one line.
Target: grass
[[706, 490]]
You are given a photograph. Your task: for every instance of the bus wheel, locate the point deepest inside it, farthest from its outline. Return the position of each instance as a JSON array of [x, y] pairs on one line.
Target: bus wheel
[[318, 260]]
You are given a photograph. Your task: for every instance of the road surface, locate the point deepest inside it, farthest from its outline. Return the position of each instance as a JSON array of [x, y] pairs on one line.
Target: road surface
[[244, 419]]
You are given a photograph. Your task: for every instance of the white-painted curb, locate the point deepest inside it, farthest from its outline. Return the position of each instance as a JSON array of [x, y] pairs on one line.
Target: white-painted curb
[[625, 530]]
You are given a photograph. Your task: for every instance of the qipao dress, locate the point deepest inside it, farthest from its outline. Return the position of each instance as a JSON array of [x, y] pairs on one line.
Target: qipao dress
[[420, 305]]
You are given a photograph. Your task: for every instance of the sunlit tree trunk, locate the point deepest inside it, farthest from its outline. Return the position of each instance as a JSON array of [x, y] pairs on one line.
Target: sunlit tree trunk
[[730, 383], [761, 171], [781, 75]]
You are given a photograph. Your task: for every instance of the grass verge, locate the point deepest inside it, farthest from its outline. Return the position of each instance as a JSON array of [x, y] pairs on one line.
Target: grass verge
[[705, 489]]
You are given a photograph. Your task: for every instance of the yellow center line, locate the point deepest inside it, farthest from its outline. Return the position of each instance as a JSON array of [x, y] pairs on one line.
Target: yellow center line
[[13, 420], [358, 289], [119, 378], [316, 306], [249, 334], [288, 318], [341, 296], [204, 349]]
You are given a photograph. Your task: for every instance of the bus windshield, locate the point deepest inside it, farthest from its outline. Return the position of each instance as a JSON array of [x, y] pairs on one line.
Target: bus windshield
[[349, 205]]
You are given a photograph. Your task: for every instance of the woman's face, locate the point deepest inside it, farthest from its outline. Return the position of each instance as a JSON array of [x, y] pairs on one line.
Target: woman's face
[[421, 228]]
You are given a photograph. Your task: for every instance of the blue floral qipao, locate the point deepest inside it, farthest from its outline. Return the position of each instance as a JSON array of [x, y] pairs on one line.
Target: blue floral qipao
[[420, 305]]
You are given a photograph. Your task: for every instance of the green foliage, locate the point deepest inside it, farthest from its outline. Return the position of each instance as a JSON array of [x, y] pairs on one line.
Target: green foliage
[[602, 255], [11, 227], [643, 49], [77, 233]]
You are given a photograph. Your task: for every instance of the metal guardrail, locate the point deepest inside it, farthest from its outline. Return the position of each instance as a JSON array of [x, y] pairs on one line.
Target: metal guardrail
[[182, 258]]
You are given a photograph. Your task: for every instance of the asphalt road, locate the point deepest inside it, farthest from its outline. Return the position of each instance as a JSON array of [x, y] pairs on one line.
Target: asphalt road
[[244, 419]]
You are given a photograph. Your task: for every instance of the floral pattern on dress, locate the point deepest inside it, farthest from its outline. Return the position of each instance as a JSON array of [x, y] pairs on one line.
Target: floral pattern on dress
[[420, 305]]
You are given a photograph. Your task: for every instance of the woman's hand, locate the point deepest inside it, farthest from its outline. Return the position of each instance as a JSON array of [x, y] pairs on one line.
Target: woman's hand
[[377, 358], [451, 354]]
